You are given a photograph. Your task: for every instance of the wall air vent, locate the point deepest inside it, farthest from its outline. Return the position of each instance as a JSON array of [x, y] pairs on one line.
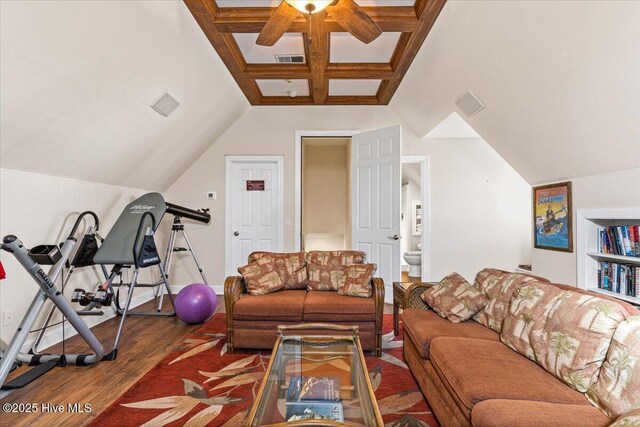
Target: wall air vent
[[289, 59], [165, 105], [470, 104]]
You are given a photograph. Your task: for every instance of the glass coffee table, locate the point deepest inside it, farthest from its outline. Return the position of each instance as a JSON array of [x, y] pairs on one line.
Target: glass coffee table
[[316, 376]]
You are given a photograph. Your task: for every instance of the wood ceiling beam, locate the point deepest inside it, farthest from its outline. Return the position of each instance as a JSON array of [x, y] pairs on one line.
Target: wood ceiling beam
[[277, 71], [358, 70], [408, 46], [318, 57], [204, 11], [331, 100], [252, 19]]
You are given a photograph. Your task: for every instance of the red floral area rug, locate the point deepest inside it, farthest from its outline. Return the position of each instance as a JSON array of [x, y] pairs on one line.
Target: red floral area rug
[[200, 384]]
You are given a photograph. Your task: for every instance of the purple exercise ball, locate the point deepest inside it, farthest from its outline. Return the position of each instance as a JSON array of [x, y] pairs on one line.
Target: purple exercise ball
[[196, 303]]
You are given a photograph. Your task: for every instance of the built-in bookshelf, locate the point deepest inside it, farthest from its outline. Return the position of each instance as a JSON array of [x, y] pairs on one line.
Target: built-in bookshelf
[[592, 247]]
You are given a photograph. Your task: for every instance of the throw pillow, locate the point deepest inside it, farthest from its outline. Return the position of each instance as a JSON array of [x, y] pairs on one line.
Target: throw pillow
[[498, 293], [291, 267], [567, 333], [454, 298], [261, 277], [618, 387], [325, 268], [357, 280], [325, 278]]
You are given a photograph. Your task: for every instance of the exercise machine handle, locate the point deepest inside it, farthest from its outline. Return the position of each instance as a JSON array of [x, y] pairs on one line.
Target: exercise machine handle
[[136, 253], [80, 217]]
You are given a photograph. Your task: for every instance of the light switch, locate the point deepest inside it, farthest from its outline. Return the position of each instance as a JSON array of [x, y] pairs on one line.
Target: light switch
[[287, 221], [212, 195]]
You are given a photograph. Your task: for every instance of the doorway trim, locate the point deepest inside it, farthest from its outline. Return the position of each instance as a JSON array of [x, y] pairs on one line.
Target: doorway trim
[[298, 172], [425, 238], [229, 160]]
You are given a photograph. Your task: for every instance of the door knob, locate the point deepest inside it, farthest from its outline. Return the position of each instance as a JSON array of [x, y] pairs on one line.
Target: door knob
[[236, 233], [394, 237]]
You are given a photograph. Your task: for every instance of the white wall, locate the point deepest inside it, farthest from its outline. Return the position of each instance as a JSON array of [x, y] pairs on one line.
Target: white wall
[[614, 190], [41, 209], [479, 204]]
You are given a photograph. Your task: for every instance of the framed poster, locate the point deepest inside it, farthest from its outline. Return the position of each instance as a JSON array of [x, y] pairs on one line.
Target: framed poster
[[416, 218], [552, 222]]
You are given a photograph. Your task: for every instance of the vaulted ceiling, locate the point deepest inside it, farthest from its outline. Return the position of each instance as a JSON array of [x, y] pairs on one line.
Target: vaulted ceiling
[[559, 80], [335, 67]]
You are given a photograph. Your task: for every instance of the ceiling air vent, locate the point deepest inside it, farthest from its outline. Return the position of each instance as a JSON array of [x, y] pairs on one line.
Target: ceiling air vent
[[289, 59]]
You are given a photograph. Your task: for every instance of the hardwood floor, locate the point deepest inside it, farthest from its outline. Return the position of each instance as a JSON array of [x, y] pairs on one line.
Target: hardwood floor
[[144, 343]]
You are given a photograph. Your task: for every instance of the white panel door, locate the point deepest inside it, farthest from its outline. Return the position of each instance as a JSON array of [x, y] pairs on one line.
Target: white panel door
[[376, 200], [254, 208]]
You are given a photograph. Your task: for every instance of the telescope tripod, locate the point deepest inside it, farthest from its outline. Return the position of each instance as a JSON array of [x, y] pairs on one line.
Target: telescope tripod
[[178, 227]]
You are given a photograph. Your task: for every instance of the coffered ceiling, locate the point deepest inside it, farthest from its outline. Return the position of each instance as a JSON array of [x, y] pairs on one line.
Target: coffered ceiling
[[336, 69]]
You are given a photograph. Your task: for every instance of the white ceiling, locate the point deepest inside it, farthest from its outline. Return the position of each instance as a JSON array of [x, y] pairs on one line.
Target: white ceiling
[[353, 87], [453, 126], [282, 87], [77, 79], [560, 81], [346, 48], [289, 44]]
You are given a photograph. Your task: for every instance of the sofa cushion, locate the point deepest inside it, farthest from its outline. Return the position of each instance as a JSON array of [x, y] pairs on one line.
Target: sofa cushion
[[285, 306], [570, 332], [454, 298], [475, 370], [618, 387], [527, 312], [336, 258], [487, 277], [526, 413], [261, 277], [332, 307], [628, 419], [498, 294], [291, 267], [357, 280], [423, 326]]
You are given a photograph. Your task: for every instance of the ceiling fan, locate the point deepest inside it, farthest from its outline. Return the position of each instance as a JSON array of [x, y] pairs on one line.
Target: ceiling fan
[[347, 13]]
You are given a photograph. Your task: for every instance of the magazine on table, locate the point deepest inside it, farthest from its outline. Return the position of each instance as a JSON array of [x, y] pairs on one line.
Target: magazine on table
[[314, 398]]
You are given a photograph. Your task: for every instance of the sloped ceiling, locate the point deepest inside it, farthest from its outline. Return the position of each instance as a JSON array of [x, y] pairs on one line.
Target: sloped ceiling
[[561, 82], [77, 80]]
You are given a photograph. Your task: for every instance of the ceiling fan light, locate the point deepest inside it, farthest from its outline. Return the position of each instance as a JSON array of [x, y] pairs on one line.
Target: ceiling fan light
[[302, 5]]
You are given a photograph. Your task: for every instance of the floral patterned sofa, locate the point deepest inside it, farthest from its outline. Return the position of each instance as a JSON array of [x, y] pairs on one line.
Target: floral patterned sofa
[[536, 354], [290, 288]]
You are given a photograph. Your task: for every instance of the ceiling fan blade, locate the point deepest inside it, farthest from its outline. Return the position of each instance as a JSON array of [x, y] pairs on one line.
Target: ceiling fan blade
[[355, 20], [277, 24]]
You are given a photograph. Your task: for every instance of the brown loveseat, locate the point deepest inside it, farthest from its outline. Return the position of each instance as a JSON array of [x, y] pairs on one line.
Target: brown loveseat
[[252, 320], [471, 378]]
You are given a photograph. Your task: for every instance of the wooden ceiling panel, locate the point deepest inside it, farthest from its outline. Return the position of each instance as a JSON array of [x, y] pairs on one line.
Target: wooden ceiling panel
[[233, 30]]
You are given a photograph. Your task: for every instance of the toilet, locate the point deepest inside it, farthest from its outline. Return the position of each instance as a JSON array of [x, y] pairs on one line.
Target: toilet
[[414, 259]]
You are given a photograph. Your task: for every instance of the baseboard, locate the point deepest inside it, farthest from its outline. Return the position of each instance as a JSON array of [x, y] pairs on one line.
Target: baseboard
[[54, 335]]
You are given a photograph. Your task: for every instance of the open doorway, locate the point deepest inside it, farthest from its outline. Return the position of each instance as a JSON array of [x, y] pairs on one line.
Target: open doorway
[[325, 193], [414, 229]]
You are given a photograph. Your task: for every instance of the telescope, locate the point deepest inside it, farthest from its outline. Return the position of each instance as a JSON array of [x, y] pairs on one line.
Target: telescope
[[199, 215]]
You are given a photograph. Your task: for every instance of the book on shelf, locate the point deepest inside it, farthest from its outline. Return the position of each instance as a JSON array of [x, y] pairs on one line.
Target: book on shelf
[[619, 240], [620, 278]]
